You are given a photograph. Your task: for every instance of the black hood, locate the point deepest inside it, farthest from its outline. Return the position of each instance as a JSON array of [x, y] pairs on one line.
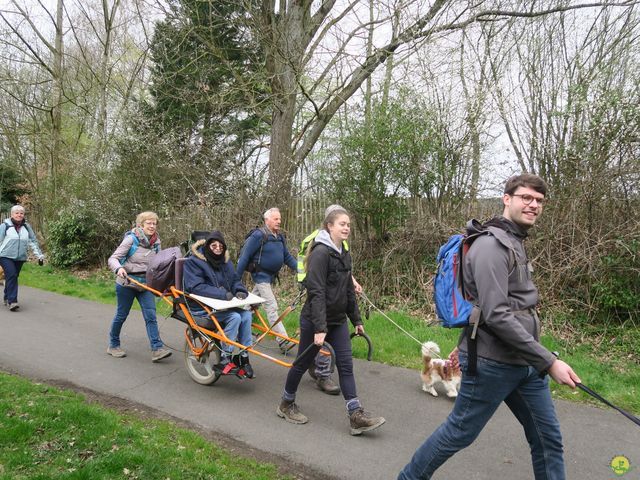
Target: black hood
[[213, 236], [474, 226]]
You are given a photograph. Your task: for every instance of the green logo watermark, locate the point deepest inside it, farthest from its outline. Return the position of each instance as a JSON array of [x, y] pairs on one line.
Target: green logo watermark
[[620, 465]]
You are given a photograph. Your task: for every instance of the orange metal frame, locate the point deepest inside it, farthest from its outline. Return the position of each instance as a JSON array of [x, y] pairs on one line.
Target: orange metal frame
[[261, 325]]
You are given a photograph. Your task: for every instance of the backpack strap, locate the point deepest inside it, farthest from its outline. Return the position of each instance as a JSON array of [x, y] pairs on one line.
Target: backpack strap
[[132, 249], [263, 240], [8, 224], [472, 341]]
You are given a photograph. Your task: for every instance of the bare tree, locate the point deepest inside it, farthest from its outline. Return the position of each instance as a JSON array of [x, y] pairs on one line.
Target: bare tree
[[287, 30], [68, 75], [50, 59]]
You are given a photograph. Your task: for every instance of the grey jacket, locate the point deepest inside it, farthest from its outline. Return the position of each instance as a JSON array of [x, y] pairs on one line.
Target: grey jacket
[[500, 283], [135, 265]]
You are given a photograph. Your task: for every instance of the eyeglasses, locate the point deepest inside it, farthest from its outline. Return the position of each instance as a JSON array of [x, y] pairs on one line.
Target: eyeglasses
[[217, 246], [528, 199]]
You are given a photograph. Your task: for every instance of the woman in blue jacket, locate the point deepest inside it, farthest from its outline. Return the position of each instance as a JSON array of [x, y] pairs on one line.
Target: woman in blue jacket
[[16, 237], [209, 273]]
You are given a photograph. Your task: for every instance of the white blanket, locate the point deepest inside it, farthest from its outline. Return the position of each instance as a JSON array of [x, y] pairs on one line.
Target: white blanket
[[219, 305]]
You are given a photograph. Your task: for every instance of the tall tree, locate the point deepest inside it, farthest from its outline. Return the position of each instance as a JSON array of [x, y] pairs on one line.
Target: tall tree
[[203, 85]]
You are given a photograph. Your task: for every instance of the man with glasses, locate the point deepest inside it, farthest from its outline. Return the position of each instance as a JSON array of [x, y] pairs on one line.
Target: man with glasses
[[512, 365]]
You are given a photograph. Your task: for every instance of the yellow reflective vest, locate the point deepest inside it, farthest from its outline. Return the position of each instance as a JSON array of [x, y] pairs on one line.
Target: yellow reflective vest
[[302, 253]]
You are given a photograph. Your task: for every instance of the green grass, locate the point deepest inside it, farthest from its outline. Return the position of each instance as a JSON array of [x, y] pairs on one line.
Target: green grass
[[605, 361], [98, 286], [47, 433]]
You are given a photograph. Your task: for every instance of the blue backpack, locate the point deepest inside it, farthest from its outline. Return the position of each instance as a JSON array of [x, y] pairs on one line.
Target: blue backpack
[[452, 308]]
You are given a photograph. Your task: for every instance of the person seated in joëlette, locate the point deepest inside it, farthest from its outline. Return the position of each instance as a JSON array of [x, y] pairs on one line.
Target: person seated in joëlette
[[210, 273]]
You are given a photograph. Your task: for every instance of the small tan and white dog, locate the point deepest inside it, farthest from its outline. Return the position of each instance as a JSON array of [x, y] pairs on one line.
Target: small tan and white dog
[[1, 276], [436, 370]]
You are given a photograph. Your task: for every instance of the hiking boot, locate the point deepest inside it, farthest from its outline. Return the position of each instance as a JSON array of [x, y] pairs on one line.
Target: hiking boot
[[328, 386], [159, 354], [362, 421], [13, 306], [116, 352], [285, 346], [291, 413]]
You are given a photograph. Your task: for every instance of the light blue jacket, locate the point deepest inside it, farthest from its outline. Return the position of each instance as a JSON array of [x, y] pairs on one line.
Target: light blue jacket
[[14, 244]]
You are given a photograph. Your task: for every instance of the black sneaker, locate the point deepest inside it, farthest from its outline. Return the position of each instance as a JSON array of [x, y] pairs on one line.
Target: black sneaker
[[245, 370], [227, 367], [248, 370]]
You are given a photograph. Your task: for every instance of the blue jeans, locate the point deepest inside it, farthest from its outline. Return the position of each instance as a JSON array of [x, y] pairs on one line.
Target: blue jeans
[[147, 301], [527, 396], [11, 273], [338, 338], [236, 324]]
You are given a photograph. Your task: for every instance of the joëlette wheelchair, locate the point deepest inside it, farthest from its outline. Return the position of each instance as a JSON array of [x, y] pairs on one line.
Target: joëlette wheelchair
[[204, 335]]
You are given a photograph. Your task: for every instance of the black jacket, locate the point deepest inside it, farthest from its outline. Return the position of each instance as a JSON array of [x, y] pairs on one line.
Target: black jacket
[[330, 293]]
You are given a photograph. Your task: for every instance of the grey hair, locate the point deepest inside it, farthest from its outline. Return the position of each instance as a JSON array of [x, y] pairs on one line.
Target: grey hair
[[270, 212], [17, 208]]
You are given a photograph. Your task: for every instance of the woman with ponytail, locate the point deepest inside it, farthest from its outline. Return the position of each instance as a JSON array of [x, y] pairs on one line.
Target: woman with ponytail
[[331, 299]]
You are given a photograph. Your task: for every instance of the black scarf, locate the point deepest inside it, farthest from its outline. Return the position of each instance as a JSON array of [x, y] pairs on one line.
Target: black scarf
[[216, 261]]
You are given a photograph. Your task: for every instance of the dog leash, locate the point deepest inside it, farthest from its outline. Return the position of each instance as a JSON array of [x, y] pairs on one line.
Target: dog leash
[[597, 396], [364, 296]]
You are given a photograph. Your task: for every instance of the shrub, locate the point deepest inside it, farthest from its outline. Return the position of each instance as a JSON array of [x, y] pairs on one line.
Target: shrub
[[617, 290], [72, 238]]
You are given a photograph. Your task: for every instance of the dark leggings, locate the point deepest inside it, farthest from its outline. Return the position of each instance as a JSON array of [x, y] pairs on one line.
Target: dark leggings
[[338, 338]]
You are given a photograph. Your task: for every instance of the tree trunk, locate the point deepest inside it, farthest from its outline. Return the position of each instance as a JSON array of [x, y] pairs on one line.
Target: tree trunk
[[56, 99]]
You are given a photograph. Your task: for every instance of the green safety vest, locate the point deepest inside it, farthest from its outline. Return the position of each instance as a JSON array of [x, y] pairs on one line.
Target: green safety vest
[[302, 253]]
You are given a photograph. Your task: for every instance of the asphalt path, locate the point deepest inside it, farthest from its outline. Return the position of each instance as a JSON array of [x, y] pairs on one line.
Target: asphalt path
[[62, 339]]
